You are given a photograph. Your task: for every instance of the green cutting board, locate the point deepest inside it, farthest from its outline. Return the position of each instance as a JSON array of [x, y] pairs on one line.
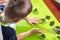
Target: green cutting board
[[40, 10]]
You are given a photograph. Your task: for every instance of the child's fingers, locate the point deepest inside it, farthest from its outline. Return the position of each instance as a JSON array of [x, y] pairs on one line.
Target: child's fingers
[[42, 32], [31, 23], [36, 22]]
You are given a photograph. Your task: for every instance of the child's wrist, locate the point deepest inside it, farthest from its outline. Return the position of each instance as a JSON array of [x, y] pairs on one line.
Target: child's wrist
[[2, 2], [31, 32]]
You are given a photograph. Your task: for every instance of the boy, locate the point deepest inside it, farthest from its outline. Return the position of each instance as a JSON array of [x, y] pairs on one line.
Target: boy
[[14, 11]]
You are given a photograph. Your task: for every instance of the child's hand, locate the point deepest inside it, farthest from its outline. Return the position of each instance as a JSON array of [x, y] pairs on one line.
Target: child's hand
[[32, 21], [36, 30], [57, 1], [3, 1]]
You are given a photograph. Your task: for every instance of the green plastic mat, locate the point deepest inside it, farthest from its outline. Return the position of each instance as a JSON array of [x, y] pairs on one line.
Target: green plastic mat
[[40, 10]]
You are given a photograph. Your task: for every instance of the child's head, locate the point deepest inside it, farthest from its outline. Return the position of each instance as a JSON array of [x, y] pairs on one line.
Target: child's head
[[17, 9]]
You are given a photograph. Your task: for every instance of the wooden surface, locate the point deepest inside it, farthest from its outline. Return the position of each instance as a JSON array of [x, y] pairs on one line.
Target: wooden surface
[[54, 9]]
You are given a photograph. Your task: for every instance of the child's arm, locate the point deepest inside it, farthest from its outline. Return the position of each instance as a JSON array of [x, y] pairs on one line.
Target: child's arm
[[2, 2], [22, 35], [34, 30]]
